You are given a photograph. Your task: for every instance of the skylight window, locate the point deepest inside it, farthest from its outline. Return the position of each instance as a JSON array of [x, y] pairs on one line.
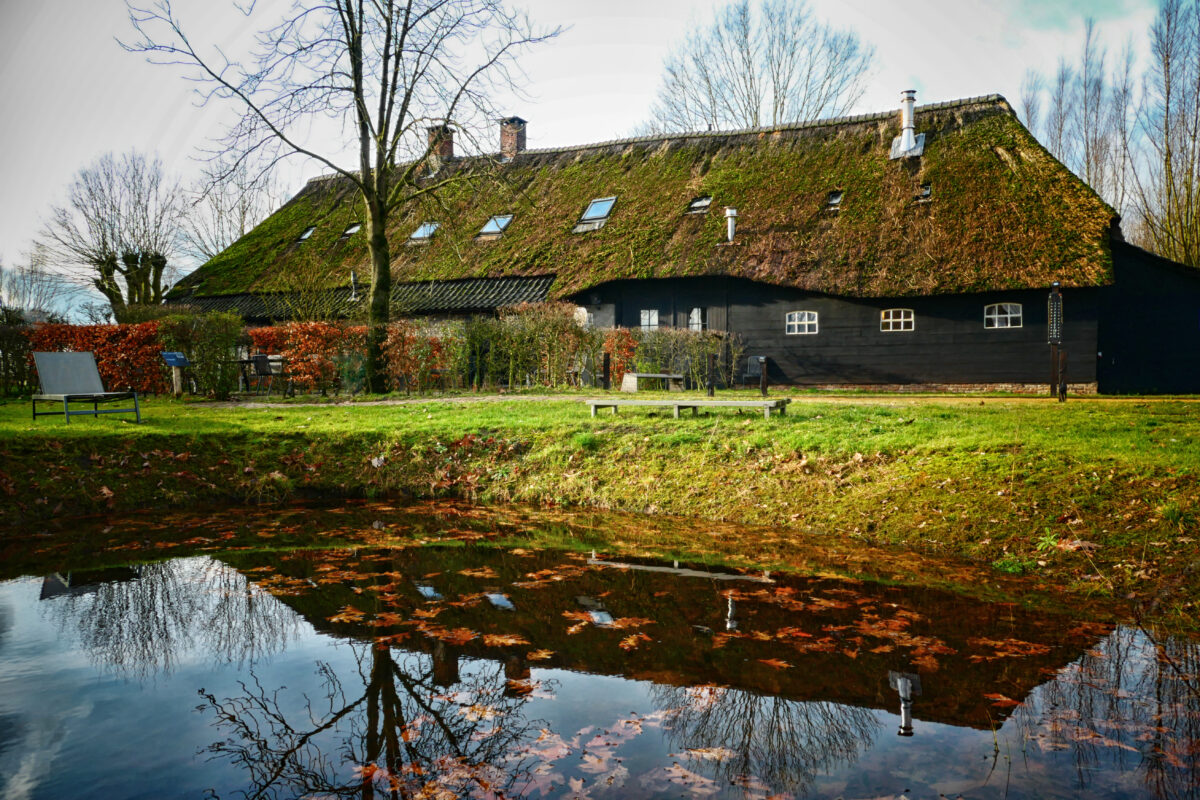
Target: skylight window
[[307, 233], [924, 193], [495, 225], [425, 232], [834, 201], [595, 215], [699, 205], [352, 229]]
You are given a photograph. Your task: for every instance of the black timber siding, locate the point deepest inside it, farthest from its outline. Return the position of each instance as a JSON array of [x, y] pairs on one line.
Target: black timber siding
[[1150, 325], [949, 343]]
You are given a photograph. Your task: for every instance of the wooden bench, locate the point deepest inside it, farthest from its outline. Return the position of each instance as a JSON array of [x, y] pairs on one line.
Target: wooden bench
[[629, 383], [767, 406]]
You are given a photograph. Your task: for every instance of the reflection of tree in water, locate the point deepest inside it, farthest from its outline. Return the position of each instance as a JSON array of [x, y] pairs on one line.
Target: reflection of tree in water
[[395, 732], [146, 624], [1131, 702], [779, 741]]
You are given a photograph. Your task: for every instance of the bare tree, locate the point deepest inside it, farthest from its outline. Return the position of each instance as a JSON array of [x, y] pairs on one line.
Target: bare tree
[[224, 205], [1031, 99], [767, 65], [118, 230], [1167, 189], [402, 74], [32, 289]]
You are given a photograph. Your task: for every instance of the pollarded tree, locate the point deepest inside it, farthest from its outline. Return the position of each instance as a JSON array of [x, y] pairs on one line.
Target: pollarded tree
[[767, 65], [388, 70], [118, 230]]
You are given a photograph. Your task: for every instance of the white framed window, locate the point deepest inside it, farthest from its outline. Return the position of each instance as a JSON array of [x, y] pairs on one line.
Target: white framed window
[[897, 319], [649, 319], [698, 319], [595, 215], [495, 225], [800, 322], [306, 233], [425, 232], [833, 202], [351, 229], [699, 205], [1002, 315]]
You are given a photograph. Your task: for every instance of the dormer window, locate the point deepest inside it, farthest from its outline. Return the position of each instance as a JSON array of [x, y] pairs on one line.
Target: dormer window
[[352, 229], [424, 233], [833, 203], [595, 215], [924, 193], [699, 205], [307, 233], [495, 226]]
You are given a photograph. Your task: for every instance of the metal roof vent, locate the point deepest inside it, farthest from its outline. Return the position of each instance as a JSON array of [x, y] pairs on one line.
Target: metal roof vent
[[907, 145]]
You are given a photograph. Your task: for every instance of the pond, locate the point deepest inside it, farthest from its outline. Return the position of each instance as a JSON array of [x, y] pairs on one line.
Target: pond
[[424, 653]]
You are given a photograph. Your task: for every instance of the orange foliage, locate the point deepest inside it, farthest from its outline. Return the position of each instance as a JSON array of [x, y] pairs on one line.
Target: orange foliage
[[413, 355], [267, 340], [127, 356], [620, 344]]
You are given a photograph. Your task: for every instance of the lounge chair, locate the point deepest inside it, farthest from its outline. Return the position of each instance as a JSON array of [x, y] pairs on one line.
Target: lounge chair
[[73, 378]]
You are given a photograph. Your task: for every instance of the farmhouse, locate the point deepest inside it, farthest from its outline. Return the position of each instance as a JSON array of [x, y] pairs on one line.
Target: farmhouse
[[907, 247]]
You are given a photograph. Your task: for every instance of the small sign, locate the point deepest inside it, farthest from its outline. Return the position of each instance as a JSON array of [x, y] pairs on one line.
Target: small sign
[[175, 359], [1054, 316]]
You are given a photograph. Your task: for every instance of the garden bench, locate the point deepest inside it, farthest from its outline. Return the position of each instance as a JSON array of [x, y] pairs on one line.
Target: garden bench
[[767, 406], [674, 382]]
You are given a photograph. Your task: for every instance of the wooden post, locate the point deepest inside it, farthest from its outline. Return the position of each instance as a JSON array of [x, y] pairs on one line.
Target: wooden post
[[762, 375], [1053, 370], [1062, 377], [177, 381], [607, 380], [712, 374]]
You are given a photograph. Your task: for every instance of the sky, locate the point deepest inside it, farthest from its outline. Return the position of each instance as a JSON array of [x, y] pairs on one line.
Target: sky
[[69, 93]]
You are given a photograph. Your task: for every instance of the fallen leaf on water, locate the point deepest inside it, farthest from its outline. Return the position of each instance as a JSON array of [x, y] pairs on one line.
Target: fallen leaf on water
[[503, 639], [1002, 701], [347, 614], [539, 655], [630, 642], [777, 663]]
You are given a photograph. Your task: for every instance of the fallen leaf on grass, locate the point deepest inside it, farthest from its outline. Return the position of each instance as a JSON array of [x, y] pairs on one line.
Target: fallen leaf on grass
[[1077, 544]]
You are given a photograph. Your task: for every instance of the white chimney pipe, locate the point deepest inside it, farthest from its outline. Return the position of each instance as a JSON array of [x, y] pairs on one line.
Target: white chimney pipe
[[908, 140], [730, 222]]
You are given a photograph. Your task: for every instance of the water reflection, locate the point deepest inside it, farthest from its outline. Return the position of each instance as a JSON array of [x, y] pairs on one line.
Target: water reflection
[[140, 621], [391, 730], [489, 672]]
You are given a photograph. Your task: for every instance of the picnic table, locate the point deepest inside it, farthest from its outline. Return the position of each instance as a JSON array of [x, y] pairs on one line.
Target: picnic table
[[674, 382]]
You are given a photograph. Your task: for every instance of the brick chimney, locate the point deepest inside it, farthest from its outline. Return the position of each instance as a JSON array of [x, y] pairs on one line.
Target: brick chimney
[[512, 137], [441, 142]]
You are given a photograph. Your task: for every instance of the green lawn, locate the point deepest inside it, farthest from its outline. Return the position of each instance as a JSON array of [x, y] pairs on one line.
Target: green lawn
[[1015, 482]]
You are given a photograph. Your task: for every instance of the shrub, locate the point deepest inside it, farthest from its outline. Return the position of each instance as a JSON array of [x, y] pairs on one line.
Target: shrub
[[16, 374], [127, 356], [311, 350], [621, 346], [210, 342], [267, 339], [540, 343], [414, 352]]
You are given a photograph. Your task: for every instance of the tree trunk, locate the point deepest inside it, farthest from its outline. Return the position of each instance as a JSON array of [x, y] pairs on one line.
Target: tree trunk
[[381, 290]]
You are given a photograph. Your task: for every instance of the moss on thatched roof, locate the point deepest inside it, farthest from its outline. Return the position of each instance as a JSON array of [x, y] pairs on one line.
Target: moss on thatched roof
[[1002, 214]]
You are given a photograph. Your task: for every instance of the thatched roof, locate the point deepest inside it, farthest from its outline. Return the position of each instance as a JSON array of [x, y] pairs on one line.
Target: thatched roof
[[1002, 213]]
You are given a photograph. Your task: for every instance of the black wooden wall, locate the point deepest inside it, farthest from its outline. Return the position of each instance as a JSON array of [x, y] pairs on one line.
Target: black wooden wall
[[949, 343], [1149, 337]]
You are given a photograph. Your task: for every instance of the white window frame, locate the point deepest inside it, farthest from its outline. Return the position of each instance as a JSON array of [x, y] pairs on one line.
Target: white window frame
[[698, 319], [351, 229], [997, 316], [499, 222], [801, 323], [648, 318], [700, 205], [307, 233], [424, 231], [897, 320]]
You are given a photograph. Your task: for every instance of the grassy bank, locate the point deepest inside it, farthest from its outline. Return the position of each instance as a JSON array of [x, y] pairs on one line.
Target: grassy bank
[[1096, 496]]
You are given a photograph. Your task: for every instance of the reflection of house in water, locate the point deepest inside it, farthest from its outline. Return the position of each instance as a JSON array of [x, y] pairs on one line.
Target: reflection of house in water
[[58, 584], [842, 641]]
